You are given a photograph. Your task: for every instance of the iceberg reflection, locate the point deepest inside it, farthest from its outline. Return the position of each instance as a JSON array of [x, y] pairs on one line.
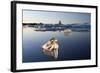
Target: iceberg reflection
[[50, 48]]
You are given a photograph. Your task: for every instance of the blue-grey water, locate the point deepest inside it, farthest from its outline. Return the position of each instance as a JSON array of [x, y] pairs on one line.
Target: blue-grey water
[[72, 46]]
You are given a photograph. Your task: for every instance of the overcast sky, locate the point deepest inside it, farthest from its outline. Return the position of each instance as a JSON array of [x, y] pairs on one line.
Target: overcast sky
[[31, 16]]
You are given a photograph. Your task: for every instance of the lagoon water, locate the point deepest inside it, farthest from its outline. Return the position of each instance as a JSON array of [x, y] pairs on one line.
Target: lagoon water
[[72, 46]]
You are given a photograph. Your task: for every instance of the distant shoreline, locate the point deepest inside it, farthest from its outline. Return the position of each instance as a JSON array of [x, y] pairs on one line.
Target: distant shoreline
[[58, 27]]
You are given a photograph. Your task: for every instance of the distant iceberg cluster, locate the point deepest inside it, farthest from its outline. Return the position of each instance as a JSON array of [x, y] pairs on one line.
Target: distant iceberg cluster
[[59, 26]]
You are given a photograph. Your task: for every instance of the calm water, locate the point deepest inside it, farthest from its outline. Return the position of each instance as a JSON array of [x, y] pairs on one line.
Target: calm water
[[72, 46]]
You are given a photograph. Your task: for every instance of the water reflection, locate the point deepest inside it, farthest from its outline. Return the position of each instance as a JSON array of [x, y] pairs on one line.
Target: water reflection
[[53, 53], [72, 45]]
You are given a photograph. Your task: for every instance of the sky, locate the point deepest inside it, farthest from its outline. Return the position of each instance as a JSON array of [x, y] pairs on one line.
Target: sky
[[53, 17]]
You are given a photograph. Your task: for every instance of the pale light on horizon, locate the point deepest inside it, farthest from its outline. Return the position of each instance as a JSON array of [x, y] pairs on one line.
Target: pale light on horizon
[[54, 17]]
